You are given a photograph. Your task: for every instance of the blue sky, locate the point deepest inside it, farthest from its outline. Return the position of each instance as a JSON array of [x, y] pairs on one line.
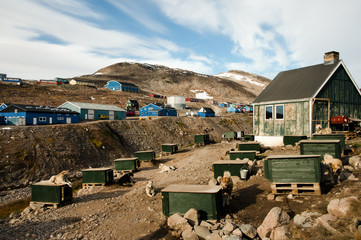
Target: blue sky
[[67, 38]]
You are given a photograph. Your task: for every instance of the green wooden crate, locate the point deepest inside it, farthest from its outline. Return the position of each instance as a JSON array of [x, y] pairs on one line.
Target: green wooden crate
[[230, 135], [46, 192], [321, 147], [98, 175], [178, 198], [340, 137], [251, 155], [293, 168], [248, 137], [233, 166], [169, 148], [126, 164], [203, 139], [145, 155], [292, 139], [249, 146]]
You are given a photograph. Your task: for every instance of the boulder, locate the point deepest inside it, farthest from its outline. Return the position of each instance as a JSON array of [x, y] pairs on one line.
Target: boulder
[[306, 219], [192, 216], [232, 237], [214, 236], [340, 207], [228, 228], [189, 234], [276, 217], [237, 232], [248, 230], [279, 233], [355, 161], [178, 223], [323, 221], [202, 231]]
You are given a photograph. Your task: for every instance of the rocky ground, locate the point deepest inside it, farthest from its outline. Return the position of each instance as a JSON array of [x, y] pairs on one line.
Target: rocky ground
[[126, 212]]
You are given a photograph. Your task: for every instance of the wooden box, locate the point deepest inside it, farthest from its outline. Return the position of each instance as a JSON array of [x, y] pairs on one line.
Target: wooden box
[[45, 192], [251, 155], [126, 164], [145, 155], [340, 137], [233, 166], [178, 198], [292, 139], [248, 137], [102, 176], [201, 139], [293, 168], [249, 146], [230, 135], [321, 147], [169, 148]]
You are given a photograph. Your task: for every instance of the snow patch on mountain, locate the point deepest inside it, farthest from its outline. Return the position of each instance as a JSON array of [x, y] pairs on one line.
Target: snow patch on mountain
[[237, 77], [200, 94]]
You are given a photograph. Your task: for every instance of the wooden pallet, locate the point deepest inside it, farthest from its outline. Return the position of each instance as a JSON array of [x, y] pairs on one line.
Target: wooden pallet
[[89, 185], [45, 204], [296, 188]]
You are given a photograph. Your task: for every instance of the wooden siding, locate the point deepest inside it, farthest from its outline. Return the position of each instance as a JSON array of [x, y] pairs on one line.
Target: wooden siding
[[345, 99], [295, 122]]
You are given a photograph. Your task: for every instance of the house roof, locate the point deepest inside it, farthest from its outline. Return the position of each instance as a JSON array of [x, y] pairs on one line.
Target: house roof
[[207, 110], [124, 83], [299, 83], [36, 108], [95, 106]]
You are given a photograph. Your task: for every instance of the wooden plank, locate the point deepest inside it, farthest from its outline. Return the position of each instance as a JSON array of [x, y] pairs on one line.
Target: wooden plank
[[296, 188]]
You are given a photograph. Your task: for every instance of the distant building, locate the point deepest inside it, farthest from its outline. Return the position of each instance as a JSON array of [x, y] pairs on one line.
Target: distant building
[[178, 102], [154, 110], [206, 112], [21, 114], [132, 105], [233, 110], [121, 86], [223, 104], [90, 111]]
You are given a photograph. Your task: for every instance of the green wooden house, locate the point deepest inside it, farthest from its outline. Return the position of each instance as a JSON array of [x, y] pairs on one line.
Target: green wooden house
[[296, 100], [148, 155], [49, 193], [126, 164], [97, 177], [169, 148]]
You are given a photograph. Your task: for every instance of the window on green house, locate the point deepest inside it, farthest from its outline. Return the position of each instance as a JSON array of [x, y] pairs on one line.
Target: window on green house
[[279, 111], [269, 112]]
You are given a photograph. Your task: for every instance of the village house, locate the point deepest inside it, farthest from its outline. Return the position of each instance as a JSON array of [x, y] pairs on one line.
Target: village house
[[296, 100], [121, 86], [206, 112], [21, 114], [154, 110], [91, 111]]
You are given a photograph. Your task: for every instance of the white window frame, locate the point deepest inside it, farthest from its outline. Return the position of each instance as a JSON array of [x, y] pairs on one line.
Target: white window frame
[[265, 110], [283, 111]]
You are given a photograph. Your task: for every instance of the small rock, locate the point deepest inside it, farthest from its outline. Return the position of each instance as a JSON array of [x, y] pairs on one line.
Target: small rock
[[248, 230], [228, 228], [206, 224], [275, 217], [323, 221], [340, 207], [280, 198], [202, 231], [290, 196], [280, 233], [270, 197], [237, 232], [233, 237], [26, 211], [177, 222], [214, 236], [189, 234], [192, 216]]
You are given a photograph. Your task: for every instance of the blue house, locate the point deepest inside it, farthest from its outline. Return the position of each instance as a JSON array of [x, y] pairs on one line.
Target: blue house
[[21, 114], [91, 111], [121, 86], [3, 105], [154, 110], [223, 104], [233, 110], [206, 112]]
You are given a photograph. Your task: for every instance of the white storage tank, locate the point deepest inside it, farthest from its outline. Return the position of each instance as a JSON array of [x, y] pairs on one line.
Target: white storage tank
[[176, 101]]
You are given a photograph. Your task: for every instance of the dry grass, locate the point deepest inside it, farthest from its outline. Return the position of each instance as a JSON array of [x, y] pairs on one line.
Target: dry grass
[[13, 206]]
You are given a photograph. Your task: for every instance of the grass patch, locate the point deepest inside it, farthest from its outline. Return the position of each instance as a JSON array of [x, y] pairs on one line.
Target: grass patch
[[13, 206]]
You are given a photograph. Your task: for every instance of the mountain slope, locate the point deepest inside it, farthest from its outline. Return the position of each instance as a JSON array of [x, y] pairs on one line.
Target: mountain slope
[[167, 81]]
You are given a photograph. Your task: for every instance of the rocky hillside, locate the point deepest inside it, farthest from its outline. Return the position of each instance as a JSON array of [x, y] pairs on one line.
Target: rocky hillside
[[167, 81], [32, 153]]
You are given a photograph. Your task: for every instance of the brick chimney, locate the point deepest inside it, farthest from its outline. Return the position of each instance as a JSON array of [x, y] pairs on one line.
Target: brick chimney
[[331, 57]]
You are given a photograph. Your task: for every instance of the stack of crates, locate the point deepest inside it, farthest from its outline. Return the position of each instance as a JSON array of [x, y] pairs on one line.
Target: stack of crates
[[97, 177], [50, 194], [295, 174]]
